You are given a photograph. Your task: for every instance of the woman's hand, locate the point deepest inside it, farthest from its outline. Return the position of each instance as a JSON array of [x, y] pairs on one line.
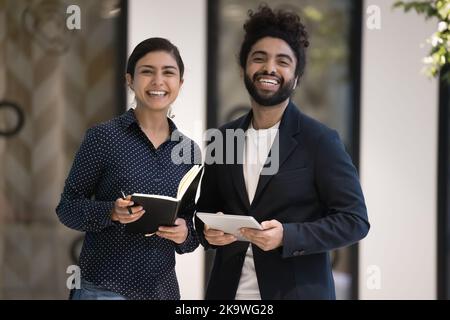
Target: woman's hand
[[120, 211], [177, 234]]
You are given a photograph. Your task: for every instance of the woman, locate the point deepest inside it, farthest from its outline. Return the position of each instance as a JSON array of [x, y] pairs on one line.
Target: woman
[[133, 153]]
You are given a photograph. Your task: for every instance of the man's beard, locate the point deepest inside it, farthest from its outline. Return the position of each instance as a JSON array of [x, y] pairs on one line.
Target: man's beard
[[284, 92]]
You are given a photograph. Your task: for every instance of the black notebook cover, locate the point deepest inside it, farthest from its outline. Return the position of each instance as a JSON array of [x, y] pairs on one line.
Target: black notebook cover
[[158, 212], [161, 212]]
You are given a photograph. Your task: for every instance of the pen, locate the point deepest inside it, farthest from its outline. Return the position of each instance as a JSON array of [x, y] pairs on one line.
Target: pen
[[124, 197]]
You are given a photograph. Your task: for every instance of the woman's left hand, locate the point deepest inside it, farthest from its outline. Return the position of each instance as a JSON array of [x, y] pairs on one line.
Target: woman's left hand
[[177, 234]]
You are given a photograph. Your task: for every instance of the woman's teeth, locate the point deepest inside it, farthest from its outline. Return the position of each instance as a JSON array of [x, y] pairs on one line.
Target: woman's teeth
[[157, 93]]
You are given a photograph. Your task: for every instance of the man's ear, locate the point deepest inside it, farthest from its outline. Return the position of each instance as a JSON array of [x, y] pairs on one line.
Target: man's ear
[[241, 73], [295, 83], [129, 81]]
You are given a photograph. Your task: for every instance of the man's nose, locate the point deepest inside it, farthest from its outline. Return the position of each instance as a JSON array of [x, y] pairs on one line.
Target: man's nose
[[270, 67]]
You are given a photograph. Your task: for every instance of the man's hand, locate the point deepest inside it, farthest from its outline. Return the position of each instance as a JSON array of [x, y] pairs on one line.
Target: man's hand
[[217, 237], [268, 239], [177, 234]]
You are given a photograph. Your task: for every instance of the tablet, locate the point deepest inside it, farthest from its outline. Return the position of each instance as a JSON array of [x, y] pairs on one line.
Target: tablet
[[229, 223]]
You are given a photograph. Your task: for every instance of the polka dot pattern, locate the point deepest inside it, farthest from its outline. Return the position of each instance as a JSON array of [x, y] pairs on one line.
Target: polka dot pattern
[[115, 156]]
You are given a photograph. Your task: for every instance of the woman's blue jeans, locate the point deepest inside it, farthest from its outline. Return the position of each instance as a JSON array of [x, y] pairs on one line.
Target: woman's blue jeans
[[90, 291]]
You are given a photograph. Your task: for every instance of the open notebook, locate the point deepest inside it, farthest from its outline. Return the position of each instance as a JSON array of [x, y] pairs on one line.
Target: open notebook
[[163, 210], [229, 223]]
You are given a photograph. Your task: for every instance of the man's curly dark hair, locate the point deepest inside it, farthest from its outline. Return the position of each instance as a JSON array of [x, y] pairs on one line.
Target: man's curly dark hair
[[280, 24]]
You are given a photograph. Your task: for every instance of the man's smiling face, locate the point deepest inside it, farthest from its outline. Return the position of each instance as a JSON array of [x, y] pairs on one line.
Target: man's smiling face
[[270, 71]]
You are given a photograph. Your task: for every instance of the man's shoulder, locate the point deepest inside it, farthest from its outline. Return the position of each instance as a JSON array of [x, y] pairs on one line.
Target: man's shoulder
[[313, 128], [235, 124], [308, 125]]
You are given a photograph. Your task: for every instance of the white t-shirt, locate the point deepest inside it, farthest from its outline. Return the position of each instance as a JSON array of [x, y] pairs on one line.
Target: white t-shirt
[[257, 147]]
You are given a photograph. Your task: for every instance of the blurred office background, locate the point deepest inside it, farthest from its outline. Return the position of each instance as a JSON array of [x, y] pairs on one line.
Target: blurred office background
[[365, 82]]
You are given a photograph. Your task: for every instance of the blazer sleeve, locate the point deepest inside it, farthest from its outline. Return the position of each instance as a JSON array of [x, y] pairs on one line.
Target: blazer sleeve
[[209, 201], [191, 243], [337, 184], [76, 209]]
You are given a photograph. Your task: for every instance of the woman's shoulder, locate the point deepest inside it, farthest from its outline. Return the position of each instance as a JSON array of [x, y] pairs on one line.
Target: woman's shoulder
[[104, 132], [110, 126]]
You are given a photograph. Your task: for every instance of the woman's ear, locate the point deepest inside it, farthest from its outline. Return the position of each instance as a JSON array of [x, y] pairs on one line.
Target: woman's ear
[[129, 81]]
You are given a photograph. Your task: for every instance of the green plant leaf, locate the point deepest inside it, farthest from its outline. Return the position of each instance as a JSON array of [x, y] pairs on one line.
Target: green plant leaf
[[437, 61]]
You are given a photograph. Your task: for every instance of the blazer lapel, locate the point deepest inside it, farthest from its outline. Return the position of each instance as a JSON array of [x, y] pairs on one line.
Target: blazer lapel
[[289, 127], [237, 171]]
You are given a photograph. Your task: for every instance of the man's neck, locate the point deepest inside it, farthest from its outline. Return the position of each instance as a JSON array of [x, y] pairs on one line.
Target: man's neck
[[267, 117]]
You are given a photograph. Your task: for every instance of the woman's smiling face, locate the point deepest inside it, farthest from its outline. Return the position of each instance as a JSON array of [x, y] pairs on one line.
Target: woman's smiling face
[[156, 82]]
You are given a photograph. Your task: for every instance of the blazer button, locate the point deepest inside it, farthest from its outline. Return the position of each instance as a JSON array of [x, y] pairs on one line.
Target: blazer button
[[298, 253]]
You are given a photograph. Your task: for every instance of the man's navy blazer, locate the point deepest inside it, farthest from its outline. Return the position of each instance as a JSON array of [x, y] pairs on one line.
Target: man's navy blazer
[[315, 194]]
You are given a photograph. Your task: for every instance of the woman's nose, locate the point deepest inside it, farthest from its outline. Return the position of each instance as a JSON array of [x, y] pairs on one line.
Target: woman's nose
[[157, 80]]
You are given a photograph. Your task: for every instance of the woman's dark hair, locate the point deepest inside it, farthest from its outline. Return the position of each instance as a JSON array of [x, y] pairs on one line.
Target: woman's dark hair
[[277, 24], [150, 45]]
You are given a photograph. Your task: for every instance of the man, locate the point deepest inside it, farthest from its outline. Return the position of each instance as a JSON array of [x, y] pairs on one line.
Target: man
[[311, 204]]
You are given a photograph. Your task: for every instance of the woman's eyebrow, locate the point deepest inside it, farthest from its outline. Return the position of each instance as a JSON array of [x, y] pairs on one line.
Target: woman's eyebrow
[[153, 67]]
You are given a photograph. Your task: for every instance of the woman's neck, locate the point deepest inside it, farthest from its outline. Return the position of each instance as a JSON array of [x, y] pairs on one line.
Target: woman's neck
[[152, 121]]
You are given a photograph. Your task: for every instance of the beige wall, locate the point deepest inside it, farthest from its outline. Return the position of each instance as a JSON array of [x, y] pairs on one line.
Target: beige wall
[[183, 23], [398, 158]]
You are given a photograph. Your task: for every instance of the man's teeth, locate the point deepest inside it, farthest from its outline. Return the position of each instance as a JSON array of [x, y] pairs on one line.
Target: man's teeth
[[268, 81], [157, 93]]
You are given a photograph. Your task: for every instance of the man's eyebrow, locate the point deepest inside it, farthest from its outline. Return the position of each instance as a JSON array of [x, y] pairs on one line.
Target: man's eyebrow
[[259, 52], [281, 55], [286, 56]]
